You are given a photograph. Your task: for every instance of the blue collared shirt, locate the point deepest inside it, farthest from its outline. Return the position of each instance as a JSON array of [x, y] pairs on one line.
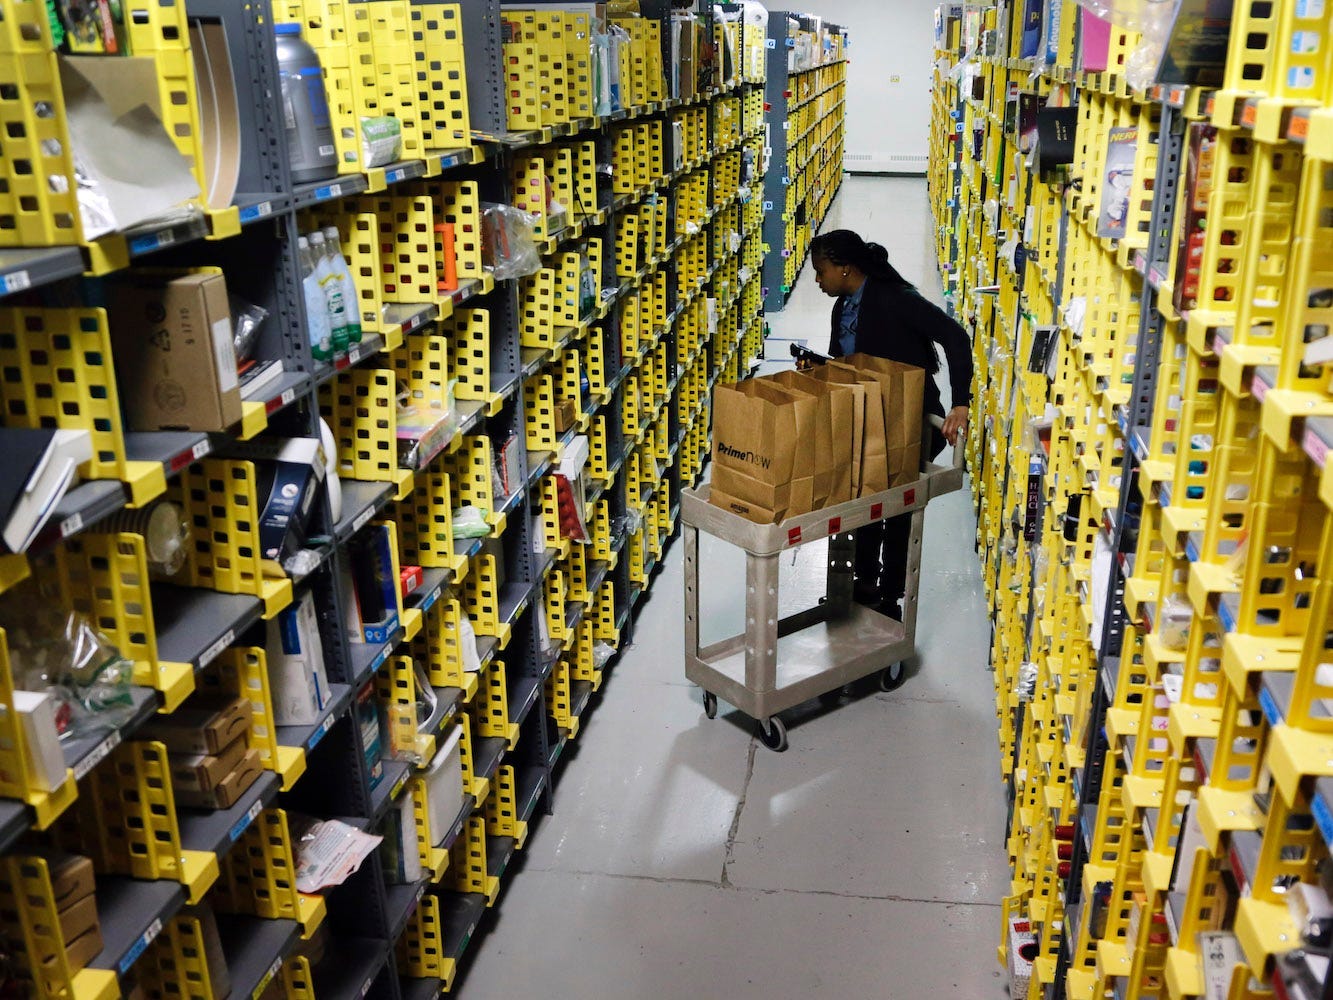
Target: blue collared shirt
[[851, 315]]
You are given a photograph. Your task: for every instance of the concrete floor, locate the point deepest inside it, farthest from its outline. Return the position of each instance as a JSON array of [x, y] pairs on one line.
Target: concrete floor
[[685, 860]]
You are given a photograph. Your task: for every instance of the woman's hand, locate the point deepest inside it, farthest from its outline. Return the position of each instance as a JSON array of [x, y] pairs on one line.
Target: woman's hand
[[955, 423]]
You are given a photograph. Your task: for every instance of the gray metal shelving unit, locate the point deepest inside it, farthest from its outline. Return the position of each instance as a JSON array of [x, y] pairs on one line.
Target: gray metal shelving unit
[[367, 914]]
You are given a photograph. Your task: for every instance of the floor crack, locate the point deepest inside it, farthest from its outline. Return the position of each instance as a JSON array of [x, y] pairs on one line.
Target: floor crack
[[725, 880]]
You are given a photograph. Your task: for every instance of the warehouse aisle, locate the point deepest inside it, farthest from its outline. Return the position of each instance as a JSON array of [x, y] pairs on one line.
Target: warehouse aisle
[[684, 859]]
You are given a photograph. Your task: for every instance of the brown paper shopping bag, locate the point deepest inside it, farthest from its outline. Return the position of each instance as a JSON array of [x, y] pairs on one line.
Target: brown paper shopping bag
[[823, 374], [874, 449], [833, 435], [761, 469], [904, 388]]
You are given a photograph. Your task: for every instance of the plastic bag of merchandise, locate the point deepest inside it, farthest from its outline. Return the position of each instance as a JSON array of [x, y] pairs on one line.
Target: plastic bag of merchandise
[[601, 654], [328, 852], [1152, 19], [509, 241], [470, 522], [61, 652]]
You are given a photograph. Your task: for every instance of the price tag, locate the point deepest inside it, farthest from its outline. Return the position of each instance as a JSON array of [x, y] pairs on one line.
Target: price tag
[[273, 970], [140, 946], [71, 524], [363, 519], [98, 755], [17, 282], [319, 733], [244, 822], [215, 650]]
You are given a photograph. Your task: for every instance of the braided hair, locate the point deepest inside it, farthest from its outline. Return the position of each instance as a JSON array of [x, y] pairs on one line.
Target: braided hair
[[846, 249]]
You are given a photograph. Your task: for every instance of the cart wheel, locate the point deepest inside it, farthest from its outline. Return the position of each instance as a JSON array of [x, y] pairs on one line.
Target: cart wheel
[[710, 704], [774, 734], [891, 678]]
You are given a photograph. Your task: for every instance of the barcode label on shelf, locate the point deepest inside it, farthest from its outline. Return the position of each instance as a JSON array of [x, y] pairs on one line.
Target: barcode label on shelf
[[98, 755], [273, 970], [140, 946], [319, 732], [244, 822], [363, 519], [215, 650], [71, 524], [17, 282], [261, 211], [331, 191], [365, 987], [394, 176], [200, 450]]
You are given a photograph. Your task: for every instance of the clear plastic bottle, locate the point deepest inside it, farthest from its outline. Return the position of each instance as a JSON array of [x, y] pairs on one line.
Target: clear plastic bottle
[[305, 104], [316, 305], [351, 296], [329, 284]]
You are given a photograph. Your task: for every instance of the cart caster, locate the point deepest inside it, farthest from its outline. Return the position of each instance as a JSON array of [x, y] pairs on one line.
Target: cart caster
[[891, 678], [774, 734], [710, 704]]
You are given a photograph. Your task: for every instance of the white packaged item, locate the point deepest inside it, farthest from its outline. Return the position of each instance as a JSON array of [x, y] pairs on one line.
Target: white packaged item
[[335, 486], [467, 643], [409, 854], [329, 853], [299, 683], [331, 287], [444, 786], [46, 761]]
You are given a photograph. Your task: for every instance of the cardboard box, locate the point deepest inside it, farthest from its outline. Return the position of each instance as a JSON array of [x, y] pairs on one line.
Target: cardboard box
[[79, 951], [71, 875], [227, 792], [79, 918], [203, 725], [204, 772], [171, 334], [566, 415], [296, 672]]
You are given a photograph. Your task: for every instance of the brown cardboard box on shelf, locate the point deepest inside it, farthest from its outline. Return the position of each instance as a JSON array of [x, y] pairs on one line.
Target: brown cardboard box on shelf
[[203, 725], [566, 415], [171, 334], [71, 876], [204, 772], [228, 791], [81, 950], [79, 918]]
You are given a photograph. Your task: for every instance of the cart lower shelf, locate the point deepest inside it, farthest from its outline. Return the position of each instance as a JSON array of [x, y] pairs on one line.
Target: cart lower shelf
[[812, 660]]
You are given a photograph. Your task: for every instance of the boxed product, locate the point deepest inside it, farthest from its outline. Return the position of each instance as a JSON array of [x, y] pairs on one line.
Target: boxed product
[[205, 772], [175, 359], [73, 890], [289, 472], [46, 761], [205, 724], [227, 792], [368, 720], [296, 673], [374, 584]]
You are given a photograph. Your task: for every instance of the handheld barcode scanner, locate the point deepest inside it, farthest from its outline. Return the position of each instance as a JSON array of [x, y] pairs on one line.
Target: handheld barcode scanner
[[806, 358]]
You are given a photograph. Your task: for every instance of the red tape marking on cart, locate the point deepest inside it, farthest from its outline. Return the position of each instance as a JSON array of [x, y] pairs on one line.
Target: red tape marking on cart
[[876, 510], [909, 497], [794, 536], [834, 525]]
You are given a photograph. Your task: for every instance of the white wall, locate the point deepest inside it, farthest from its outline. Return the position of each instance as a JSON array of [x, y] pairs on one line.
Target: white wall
[[886, 118]]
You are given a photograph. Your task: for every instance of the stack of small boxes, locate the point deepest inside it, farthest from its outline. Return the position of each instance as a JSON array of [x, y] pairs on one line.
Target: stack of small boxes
[[72, 887], [208, 741]]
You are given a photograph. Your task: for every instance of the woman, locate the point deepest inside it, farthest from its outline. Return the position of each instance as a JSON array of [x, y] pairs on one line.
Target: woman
[[879, 312]]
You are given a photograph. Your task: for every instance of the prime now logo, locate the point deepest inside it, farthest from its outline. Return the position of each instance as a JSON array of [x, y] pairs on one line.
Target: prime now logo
[[744, 456]]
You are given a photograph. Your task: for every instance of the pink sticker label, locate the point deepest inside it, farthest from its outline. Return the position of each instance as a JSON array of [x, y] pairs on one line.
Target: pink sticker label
[[1315, 448]]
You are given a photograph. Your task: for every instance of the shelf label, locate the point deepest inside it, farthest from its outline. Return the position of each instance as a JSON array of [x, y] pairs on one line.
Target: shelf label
[[140, 946], [200, 450], [98, 755], [394, 176], [363, 519], [365, 987], [71, 524], [398, 786], [273, 970], [1271, 712], [1322, 817], [215, 650], [319, 733], [330, 191], [17, 281], [354, 355], [261, 211], [244, 822], [1258, 387]]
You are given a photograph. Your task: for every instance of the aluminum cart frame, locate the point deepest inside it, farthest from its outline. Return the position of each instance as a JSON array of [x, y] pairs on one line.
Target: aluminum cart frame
[[826, 647]]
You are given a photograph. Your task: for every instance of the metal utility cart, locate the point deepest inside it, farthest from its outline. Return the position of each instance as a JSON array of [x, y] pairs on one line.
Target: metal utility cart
[[779, 663]]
